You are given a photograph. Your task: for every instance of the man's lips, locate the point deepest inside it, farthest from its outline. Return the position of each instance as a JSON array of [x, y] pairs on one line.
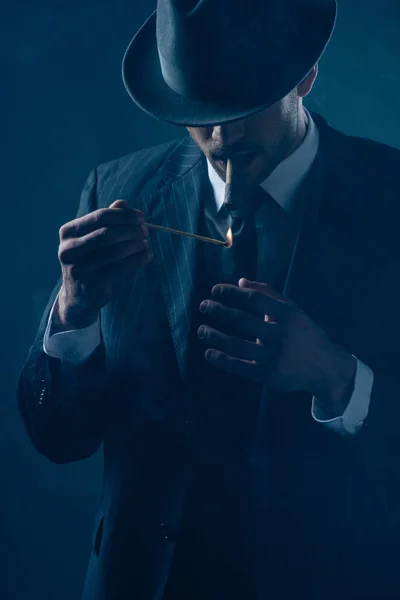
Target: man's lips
[[233, 155], [239, 159]]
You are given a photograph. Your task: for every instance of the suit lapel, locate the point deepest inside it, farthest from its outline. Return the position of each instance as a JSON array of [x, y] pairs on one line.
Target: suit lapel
[[178, 204], [305, 259], [326, 248]]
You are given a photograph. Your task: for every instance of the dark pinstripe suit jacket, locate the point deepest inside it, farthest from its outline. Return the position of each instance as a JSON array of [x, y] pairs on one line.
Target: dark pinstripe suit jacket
[[343, 494]]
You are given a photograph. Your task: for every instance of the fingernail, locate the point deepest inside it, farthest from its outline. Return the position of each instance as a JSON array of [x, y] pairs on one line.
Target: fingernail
[[201, 332], [145, 244], [203, 306]]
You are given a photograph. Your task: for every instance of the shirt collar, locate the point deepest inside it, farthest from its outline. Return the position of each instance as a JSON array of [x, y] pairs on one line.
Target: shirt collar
[[284, 181]]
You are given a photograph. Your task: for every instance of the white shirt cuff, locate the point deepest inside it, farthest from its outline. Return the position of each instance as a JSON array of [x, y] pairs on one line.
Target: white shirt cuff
[[357, 409], [73, 346]]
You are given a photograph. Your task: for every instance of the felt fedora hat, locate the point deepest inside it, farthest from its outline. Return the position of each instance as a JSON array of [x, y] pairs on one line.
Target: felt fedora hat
[[207, 62]]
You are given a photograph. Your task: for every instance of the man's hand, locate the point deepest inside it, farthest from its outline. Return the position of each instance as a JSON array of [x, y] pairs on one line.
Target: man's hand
[[275, 343], [96, 251]]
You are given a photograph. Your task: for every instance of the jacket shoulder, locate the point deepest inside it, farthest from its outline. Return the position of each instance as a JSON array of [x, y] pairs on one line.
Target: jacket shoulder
[[375, 168], [375, 158], [365, 176], [139, 173], [368, 160]]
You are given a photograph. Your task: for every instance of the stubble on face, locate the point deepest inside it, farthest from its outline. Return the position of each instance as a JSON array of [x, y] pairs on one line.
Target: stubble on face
[[255, 145]]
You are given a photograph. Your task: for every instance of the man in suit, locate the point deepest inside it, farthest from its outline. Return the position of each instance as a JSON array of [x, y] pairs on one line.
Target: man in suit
[[250, 426]]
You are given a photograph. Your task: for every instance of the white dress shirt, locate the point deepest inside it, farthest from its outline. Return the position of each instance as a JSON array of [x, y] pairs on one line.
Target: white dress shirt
[[77, 345]]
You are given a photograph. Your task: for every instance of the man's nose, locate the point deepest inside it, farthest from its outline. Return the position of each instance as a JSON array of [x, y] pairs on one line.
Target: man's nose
[[228, 134]]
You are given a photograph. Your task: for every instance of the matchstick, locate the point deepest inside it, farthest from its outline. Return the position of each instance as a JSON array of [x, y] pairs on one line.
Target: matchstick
[[202, 238]]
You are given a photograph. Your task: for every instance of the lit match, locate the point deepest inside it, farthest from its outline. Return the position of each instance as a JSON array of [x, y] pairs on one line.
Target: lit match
[[227, 242]]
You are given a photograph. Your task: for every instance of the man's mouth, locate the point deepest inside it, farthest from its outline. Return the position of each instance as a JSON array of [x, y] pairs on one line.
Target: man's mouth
[[240, 160]]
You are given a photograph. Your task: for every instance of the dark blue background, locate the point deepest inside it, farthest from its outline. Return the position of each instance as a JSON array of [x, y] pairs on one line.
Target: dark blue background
[[63, 111]]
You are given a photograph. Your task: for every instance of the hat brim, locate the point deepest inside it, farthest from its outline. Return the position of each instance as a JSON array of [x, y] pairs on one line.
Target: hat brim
[[141, 73]]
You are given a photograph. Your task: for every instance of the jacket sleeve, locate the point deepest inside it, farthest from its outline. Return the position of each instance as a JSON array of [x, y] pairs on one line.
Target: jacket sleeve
[[62, 404]]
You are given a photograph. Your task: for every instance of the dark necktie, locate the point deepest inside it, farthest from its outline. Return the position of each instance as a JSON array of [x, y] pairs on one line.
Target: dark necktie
[[240, 260], [225, 424], [263, 238]]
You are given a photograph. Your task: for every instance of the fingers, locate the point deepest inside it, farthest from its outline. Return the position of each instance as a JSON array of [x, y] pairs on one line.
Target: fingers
[[239, 322], [233, 346], [104, 243], [254, 301], [99, 219], [74, 249]]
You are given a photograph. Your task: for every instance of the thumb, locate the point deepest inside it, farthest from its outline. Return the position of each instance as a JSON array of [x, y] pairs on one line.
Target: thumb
[[119, 204]]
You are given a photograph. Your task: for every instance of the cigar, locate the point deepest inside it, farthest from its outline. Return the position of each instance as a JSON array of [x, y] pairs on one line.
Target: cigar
[[228, 200], [233, 201]]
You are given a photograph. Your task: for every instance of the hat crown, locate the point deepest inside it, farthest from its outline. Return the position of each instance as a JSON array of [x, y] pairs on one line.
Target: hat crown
[[203, 45]]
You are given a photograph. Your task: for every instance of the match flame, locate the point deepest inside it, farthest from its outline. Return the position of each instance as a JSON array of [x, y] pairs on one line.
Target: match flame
[[228, 242]]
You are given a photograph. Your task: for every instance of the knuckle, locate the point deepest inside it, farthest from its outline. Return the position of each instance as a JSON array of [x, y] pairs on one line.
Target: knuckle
[[66, 250], [65, 230], [103, 233], [100, 216], [63, 253], [144, 229], [138, 216]]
